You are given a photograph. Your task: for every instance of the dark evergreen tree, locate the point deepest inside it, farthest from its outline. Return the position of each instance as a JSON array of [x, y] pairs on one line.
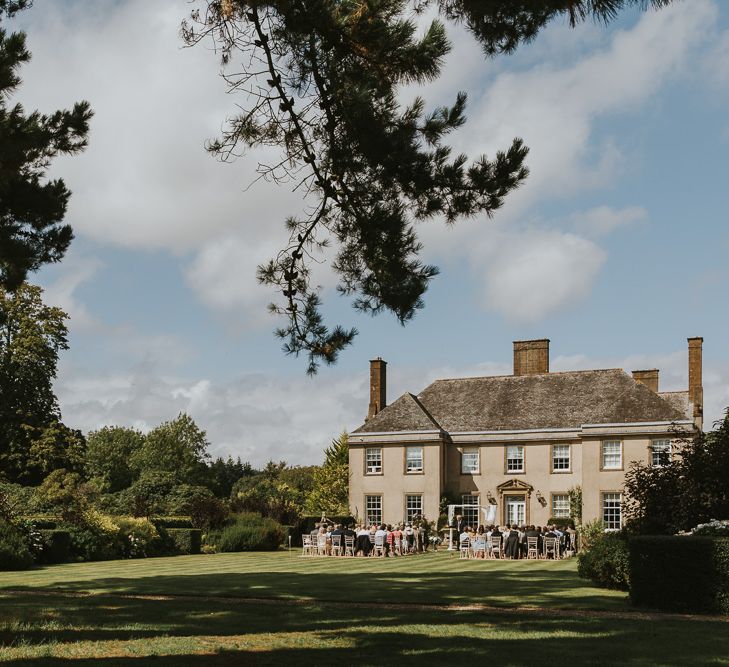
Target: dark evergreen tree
[[32, 208], [322, 79], [223, 473]]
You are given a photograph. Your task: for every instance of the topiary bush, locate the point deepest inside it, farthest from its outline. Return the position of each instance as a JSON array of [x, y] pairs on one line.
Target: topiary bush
[[248, 532], [680, 573], [14, 551], [606, 562]]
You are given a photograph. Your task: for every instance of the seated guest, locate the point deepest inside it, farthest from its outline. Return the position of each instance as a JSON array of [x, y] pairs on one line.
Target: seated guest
[[338, 532], [479, 543], [381, 533]]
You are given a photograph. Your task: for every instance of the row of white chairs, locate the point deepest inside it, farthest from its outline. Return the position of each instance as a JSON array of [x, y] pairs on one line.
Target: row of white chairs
[[316, 545], [493, 547]]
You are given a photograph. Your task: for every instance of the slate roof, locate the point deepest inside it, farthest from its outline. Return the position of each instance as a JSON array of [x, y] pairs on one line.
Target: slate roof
[[549, 400], [679, 400]]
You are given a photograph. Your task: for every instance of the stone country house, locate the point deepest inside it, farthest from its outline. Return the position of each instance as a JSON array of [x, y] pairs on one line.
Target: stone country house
[[518, 441]]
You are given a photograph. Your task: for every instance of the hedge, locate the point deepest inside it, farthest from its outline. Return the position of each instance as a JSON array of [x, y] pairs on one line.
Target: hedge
[[606, 562], [56, 546], [185, 540], [14, 551], [561, 521], [680, 573], [248, 531], [171, 522]]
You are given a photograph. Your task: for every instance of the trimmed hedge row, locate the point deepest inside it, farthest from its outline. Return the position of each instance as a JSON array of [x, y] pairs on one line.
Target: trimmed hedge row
[[679, 573]]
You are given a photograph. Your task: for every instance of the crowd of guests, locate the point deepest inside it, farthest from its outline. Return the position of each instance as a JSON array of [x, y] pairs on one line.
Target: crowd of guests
[[513, 540], [377, 539]]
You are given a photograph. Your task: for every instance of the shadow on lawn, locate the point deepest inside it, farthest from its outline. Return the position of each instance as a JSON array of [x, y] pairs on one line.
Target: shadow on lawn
[[540, 588], [252, 634]]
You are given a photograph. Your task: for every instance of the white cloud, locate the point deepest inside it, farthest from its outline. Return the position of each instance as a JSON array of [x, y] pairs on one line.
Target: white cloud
[[538, 273], [61, 291], [603, 219], [527, 273]]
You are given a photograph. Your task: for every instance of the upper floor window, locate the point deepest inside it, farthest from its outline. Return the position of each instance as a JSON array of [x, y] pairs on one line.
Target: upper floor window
[[560, 458], [373, 463], [414, 459], [660, 453], [515, 458], [469, 461], [612, 455]]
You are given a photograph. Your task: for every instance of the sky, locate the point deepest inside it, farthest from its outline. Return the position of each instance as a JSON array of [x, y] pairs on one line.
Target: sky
[[615, 248]]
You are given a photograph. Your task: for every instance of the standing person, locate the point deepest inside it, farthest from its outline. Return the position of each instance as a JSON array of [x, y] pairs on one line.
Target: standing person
[[459, 525], [408, 538], [511, 548]]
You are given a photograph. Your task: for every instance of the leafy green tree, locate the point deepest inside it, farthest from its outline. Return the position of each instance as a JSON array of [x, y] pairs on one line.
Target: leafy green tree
[[149, 495], [32, 439], [691, 488], [322, 80], [66, 492], [178, 447], [272, 492], [32, 207], [108, 454], [331, 481]]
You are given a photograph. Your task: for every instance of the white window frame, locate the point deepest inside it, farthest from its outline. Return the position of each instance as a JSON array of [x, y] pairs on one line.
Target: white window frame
[[660, 446], [556, 458], [370, 509], [521, 458], [561, 512], [412, 508], [373, 469], [609, 512], [471, 514], [469, 453], [410, 466], [604, 454]]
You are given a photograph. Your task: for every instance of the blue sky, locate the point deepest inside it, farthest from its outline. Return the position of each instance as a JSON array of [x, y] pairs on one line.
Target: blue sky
[[615, 249]]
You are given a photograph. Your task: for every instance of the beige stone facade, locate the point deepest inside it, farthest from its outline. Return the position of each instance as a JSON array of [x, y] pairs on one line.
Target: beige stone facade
[[519, 442]]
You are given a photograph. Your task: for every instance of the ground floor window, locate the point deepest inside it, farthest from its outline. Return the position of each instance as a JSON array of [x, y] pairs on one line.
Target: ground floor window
[[611, 511], [413, 506], [470, 514], [560, 505], [373, 509]]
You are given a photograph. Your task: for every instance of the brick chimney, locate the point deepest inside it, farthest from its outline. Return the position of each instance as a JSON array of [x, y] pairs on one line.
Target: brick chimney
[[649, 378], [531, 356], [378, 387], [695, 383]]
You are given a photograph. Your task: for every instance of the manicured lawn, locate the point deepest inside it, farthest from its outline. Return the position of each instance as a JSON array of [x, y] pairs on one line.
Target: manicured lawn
[[106, 629], [431, 578]]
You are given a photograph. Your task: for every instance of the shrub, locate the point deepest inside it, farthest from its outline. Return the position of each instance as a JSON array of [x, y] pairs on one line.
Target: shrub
[[185, 540], [590, 533], [41, 522], [606, 562], [56, 546], [679, 573], [138, 537], [91, 543], [248, 532], [14, 551]]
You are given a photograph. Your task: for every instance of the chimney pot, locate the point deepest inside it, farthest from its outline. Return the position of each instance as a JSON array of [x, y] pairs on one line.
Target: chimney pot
[[378, 386], [531, 356], [649, 378]]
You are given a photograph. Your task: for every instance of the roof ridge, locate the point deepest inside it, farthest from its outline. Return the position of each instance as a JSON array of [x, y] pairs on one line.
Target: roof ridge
[[425, 410], [499, 377], [675, 391]]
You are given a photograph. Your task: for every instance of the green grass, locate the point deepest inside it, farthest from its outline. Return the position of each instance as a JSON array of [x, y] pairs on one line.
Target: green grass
[[40, 629], [431, 579]]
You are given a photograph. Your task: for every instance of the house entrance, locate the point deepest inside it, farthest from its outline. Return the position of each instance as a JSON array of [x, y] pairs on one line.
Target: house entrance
[[515, 510]]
